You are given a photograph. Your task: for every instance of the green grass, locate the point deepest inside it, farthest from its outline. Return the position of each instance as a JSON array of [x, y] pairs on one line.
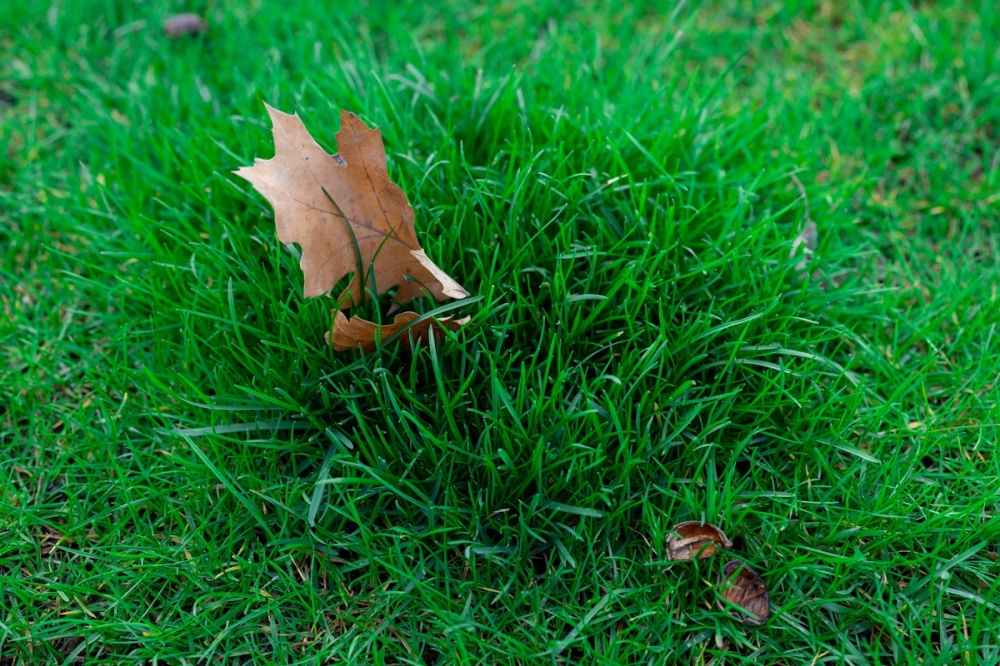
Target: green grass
[[188, 474]]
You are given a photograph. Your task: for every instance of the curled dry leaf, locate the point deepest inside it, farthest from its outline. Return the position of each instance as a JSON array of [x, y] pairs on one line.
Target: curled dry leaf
[[348, 334], [345, 213], [184, 24], [693, 539], [745, 588]]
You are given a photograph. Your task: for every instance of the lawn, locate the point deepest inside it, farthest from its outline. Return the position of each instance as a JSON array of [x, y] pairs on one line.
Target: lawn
[[190, 475]]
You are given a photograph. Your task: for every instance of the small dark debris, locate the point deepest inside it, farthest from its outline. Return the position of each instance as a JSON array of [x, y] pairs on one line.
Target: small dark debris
[[180, 25]]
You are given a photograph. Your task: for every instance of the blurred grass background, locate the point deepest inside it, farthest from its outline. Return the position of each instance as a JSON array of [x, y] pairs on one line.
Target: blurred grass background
[[190, 475]]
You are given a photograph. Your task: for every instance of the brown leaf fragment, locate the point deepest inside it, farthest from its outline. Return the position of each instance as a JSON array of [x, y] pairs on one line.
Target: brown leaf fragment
[[744, 588], [351, 333], [184, 24], [808, 239], [693, 539], [341, 208]]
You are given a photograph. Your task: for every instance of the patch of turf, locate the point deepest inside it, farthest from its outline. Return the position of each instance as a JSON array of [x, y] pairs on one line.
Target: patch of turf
[[190, 475]]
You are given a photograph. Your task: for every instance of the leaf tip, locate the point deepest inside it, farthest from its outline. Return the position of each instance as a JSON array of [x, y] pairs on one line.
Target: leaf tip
[[455, 291], [276, 115]]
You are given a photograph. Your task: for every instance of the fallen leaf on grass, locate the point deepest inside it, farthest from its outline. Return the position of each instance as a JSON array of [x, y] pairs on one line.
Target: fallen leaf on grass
[[184, 24], [746, 589], [693, 539], [345, 213], [354, 332]]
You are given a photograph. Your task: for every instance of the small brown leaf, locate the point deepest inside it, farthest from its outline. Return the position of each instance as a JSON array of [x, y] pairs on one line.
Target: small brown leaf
[[695, 539], [184, 24], [744, 588], [348, 334]]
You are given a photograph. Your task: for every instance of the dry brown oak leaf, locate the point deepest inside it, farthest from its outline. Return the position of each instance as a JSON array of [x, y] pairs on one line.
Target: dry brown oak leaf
[[356, 332], [339, 206]]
